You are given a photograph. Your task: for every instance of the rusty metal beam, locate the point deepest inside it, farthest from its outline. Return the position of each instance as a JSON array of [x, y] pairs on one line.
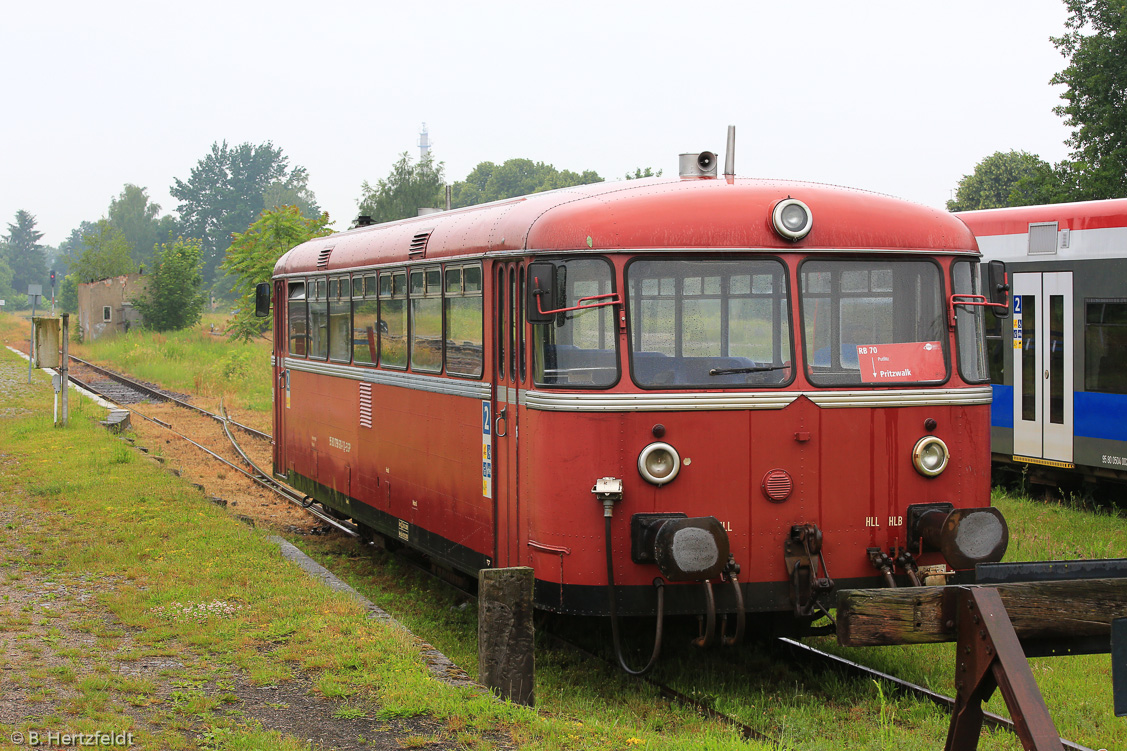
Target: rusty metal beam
[[989, 657]]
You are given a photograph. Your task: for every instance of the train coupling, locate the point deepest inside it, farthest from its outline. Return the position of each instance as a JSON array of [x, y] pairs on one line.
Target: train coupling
[[965, 536], [683, 548], [809, 576]]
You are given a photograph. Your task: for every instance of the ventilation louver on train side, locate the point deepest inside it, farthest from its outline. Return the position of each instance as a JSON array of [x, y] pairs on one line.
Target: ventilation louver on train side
[[419, 243], [323, 258], [365, 405]]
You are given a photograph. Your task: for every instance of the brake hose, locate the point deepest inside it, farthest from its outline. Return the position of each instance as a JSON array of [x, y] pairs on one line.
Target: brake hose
[[612, 602]]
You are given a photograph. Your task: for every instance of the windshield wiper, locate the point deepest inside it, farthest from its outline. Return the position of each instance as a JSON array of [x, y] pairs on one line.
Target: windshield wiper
[[756, 369]]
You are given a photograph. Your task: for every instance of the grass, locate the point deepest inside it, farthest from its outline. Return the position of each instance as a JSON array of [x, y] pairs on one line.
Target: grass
[[177, 577], [175, 556]]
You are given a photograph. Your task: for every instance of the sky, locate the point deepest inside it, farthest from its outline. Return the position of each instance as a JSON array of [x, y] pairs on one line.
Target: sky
[[902, 98]]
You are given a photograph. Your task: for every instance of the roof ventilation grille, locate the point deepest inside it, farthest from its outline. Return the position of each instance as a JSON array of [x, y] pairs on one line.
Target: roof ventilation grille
[[419, 243], [323, 258]]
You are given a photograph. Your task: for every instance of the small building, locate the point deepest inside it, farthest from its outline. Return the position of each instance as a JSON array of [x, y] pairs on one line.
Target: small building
[[105, 307]]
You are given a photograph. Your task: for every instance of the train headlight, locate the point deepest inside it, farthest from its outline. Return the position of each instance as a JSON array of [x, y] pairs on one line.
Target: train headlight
[[930, 456], [659, 463], [792, 219]]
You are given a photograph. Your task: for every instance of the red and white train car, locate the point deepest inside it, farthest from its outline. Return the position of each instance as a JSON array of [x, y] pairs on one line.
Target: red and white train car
[[653, 385]]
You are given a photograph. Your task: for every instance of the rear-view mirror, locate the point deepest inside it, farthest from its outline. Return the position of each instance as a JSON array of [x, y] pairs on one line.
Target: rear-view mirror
[[262, 300], [541, 292], [998, 288]]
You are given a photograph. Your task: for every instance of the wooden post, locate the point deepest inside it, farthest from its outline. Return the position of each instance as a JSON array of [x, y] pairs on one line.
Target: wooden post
[[505, 661]]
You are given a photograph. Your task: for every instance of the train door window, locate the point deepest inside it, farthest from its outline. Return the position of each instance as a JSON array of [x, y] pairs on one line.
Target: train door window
[[502, 309], [1105, 345], [579, 348], [709, 323], [969, 323], [365, 320], [891, 313], [319, 319], [340, 319], [298, 325], [464, 335], [1029, 373], [522, 354], [513, 324], [393, 319], [426, 320]]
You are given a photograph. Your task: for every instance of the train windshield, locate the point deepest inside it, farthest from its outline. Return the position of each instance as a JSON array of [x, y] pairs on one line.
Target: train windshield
[[873, 322], [709, 323], [579, 348]]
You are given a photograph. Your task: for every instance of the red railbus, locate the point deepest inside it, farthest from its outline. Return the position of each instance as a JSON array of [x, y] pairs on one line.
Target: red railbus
[[685, 395]]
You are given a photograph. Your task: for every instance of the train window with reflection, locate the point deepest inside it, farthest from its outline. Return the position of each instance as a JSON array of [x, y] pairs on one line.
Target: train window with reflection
[[365, 320], [340, 320], [426, 320], [1105, 345], [464, 335], [873, 322], [297, 315], [709, 323], [319, 319], [393, 319], [578, 349], [970, 323]]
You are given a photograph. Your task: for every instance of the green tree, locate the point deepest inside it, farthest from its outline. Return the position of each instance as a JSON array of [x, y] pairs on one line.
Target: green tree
[[639, 173], [173, 298], [408, 188], [12, 301], [293, 191], [252, 256], [138, 219], [1012, 178], [105, 253], [23, 253], [515, 177], [226, 192], [68, 294], [1095, 44], [71, 249]]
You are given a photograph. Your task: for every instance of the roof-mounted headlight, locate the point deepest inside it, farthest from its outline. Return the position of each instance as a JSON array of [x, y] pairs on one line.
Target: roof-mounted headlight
[[792, 219]]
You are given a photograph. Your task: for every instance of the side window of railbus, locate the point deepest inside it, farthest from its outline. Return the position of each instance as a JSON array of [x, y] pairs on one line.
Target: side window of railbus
[[464, 335], [393, 319], [873, 322], [970, 321], [365, 320], [426, 319], [319, 319], [709, 323], [1105, 345], [298, 323], [340, 323], [578, 348]]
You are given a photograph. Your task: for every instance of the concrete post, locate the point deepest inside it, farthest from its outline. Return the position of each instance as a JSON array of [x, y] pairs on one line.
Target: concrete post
[[64, 366], [505, 661]]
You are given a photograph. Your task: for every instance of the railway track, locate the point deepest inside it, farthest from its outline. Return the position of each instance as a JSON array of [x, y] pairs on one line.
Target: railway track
[[129, 392]]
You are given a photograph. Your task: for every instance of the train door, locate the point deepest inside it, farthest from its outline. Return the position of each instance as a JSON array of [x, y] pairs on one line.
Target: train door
[[1043, 360], [509, 371], [280, 375]]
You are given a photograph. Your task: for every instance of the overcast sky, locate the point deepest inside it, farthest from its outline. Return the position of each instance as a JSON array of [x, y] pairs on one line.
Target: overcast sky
[[898, 97]]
